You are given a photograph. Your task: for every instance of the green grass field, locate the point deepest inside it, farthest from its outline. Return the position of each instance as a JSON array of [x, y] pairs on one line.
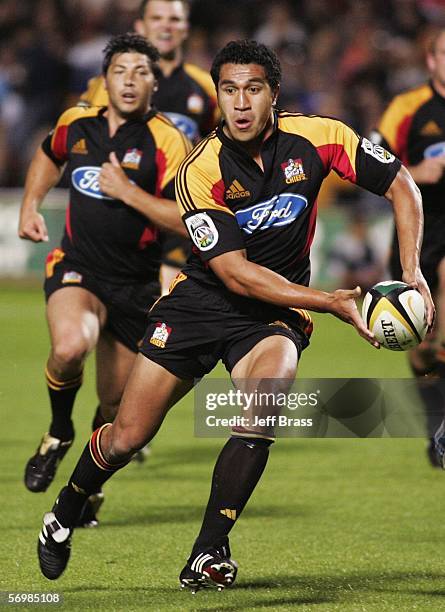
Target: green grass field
[[351, 525]]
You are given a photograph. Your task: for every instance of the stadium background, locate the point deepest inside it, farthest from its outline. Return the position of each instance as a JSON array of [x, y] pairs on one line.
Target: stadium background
[[354, 522]]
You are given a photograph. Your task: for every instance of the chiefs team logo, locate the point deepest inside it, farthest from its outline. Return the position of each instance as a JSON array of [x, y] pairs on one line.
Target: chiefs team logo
[[132, 159], [160, 335], [293, 171]]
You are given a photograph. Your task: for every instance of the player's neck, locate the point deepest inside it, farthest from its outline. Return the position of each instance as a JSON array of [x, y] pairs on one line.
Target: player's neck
[[116, 119], [439, 87], [169, 64]]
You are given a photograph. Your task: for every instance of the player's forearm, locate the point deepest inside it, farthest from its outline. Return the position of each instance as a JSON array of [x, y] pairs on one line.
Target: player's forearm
[[42, 175], [408, 214], [254, 281], [160, 211]]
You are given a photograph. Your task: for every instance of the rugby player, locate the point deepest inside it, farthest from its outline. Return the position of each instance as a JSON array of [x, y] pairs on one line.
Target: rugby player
[[247, 194], [122, 160], [185, 93], [413, 128]]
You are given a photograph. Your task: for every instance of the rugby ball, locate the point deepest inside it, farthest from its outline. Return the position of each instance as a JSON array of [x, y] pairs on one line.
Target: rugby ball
[[395, 313]]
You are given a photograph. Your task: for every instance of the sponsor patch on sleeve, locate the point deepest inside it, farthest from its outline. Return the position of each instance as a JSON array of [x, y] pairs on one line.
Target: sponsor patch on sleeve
[[377, 151], [202, 231]]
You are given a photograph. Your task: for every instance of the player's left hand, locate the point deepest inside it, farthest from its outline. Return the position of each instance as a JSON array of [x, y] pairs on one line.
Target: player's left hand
[[344, 307], [417, 281], [112, 179]]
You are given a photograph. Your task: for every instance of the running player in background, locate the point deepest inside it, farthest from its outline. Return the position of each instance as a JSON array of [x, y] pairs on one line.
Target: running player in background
[[185, 93], [248, 196], [413, 128], [121, 160]]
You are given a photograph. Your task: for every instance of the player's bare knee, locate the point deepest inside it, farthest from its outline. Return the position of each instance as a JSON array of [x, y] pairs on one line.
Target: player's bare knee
[[71, 350]]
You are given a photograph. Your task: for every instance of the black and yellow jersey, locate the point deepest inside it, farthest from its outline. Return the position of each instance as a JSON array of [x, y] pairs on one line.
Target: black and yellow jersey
[[187, 97], [104, 235], [228, 203], [413, 128]]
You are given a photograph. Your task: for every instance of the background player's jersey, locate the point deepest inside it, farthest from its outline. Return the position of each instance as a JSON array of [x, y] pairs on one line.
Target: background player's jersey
[[413, 128], [187, 97], [229, 203], [109, 238]]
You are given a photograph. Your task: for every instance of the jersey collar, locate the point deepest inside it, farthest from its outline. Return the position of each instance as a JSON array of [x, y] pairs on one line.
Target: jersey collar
[[235, 146]]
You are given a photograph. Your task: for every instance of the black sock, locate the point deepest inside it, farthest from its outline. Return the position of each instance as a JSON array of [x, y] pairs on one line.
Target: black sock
[[62, 395], [237, 471], [98, 420], [90, 473]]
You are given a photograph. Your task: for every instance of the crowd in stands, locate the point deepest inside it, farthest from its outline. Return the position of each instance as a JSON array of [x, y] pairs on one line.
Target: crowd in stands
[[344, 58]]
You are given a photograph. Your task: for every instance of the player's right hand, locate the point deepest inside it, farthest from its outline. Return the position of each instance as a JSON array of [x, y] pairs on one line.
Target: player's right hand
[[429, 171], [32, 226], [343, 306]]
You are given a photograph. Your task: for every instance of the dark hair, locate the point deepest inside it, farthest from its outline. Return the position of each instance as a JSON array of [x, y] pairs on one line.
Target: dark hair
[[144, 3], [248, 52], [125, 43]]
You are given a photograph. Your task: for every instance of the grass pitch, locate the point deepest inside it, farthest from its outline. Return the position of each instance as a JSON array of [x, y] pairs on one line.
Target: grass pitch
[[334, 524]]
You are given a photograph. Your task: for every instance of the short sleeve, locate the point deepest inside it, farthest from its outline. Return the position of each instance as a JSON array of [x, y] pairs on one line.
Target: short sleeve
[[212, 226]]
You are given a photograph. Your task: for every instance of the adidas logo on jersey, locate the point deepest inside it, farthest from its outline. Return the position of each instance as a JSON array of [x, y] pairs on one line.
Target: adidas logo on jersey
[[430, 129], [237, 191], [80, 147]]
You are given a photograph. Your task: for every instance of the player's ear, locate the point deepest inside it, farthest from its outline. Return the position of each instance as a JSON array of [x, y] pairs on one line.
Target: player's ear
[[105, 82], [275, 95], [139, 27]]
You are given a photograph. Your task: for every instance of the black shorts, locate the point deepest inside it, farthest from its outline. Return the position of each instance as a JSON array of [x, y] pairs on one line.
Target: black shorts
[[127, 305], [195, 326], [431, 254]]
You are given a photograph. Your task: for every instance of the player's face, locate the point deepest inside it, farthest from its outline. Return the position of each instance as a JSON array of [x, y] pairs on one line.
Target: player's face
[[436, 60], [130, 83], [165, 25], [245, 99]]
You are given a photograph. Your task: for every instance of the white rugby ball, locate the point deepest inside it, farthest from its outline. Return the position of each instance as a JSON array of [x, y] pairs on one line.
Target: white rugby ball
[[395, 313]]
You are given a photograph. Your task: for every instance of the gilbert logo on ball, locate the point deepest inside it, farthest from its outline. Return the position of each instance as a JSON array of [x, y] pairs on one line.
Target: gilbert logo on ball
[[395, 313]]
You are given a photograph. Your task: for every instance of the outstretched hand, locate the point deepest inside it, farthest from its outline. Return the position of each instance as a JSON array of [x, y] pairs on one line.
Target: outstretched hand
[[344, 307], [112, 179]]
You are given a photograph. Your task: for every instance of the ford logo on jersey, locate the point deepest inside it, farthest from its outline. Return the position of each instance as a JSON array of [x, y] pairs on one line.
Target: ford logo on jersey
[[435, 150], [86, 180], [185, 124], [280, 210]]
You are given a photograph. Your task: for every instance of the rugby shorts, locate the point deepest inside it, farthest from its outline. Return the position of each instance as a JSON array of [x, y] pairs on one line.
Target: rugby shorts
[[127, 304], [196, 325], [431, 254]]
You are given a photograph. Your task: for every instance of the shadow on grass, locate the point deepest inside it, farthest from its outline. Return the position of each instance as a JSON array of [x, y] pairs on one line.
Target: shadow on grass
[[305, 590]]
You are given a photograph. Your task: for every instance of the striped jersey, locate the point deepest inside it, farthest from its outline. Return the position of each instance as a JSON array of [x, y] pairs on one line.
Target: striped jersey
[[229, 203], [109, 238]]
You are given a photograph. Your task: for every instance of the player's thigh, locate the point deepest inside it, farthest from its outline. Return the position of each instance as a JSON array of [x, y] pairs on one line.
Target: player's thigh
[[114, 361], [74, 310], [151, 390], [273, 357]]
